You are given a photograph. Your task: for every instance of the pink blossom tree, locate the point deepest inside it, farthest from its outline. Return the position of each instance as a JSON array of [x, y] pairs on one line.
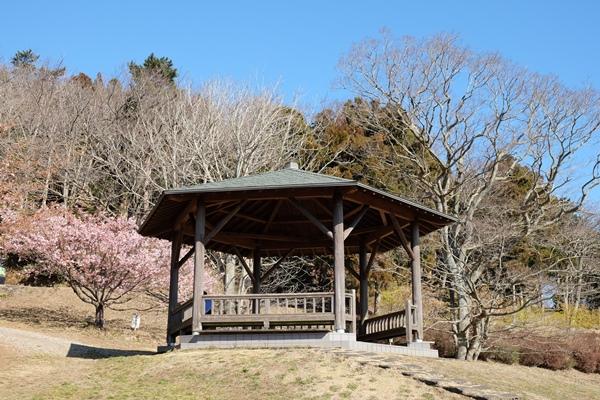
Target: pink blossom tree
[[104, 260]]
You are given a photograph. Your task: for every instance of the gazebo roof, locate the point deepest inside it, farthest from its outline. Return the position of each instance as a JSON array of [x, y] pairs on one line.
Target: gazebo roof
[[283, 178], [271, 213]]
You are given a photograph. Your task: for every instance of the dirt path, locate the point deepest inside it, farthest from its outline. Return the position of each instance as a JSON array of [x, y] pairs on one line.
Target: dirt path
[[33, 342], [23, 341]]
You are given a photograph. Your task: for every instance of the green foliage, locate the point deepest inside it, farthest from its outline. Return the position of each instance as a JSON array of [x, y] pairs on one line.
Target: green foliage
[[24, 59], [348, 143], [156, 67], [393, 298], [582, 318]]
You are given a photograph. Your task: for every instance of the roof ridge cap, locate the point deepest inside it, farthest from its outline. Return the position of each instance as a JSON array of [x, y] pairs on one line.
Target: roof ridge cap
[[321, 175]]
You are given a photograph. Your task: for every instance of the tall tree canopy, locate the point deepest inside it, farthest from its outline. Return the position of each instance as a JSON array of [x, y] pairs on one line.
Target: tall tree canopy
[[157, 67], [476, 119]]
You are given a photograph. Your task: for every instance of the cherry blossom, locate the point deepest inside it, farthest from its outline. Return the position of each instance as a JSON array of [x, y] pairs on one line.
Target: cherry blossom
[[103, 259]]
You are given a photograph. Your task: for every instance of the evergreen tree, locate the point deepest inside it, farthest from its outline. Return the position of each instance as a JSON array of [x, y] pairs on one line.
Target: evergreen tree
[[159, 67], [24, 58]]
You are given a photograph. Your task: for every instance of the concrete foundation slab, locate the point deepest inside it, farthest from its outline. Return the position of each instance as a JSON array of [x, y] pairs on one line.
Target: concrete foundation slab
[[299, 340]]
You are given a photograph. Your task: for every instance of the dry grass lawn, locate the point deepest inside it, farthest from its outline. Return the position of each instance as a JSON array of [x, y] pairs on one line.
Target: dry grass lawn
[[34, 366], [206, 374], [531, 382]]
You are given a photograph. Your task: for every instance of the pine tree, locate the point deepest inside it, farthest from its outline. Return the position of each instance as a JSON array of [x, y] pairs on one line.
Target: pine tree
[[160, 67], [24, 59]]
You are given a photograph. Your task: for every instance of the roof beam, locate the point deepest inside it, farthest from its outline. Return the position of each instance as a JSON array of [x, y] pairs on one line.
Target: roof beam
[[379, 234], [400, 233], [384, 220], [186, 257], [223, 222], [311, 218], [244, 264], [265, 237], [272, 216], [356, 221], [185, 214], [372, 257], [379, 202], [323, 207], [276, 265], [248, 217]]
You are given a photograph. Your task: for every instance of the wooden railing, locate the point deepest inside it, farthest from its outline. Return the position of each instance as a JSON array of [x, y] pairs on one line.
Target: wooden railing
[[387, 326], [264, 311]]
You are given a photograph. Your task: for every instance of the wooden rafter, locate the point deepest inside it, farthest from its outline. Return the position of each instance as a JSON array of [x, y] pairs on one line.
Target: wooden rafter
[[311, 218], [352, 271], [185, 214], [379, 234], [186, 257], [383, 217], [400, 233], [244, 264], [223, 222], [272, 216], [248, 217], [372, 257], [276, 265], [323, 207], [266, 237], [356, 221], [225, 207], [354, 211]]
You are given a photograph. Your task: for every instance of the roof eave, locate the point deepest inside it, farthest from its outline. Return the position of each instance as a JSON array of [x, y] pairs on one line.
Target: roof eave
[[411, 203]]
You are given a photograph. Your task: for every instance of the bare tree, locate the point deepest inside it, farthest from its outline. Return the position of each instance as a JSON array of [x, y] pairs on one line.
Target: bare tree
[[578, 278], [115, 146], [466, 122]]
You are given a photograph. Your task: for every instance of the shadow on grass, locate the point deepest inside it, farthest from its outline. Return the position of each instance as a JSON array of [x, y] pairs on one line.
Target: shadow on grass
[[91, 352], [41, 316]]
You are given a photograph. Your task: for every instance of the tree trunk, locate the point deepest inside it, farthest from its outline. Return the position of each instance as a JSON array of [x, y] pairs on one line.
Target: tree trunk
[[462, 320], [480, 330], [99, 321], [229, 276]]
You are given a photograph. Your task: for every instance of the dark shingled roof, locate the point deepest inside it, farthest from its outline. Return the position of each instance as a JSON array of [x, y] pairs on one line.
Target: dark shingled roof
[[268, 189], [283, 178]]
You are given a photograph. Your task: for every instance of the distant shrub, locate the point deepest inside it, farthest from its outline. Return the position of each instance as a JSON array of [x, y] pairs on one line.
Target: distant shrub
[[558, 359], [545, 353], [580, 350], [504, 354], [585, 348]]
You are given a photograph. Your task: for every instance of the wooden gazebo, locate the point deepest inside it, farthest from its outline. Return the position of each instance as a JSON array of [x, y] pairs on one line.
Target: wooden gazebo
[[279, 214]]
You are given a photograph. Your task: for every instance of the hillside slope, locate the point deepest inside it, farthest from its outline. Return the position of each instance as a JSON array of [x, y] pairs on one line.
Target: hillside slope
[[38, 369], [49, 351]]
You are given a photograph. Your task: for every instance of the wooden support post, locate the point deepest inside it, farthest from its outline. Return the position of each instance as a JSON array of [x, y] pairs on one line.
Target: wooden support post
[[364, 286], [338, 262], [416, 278], [173, 284], [408, 321], [198, 305], [256, 271]]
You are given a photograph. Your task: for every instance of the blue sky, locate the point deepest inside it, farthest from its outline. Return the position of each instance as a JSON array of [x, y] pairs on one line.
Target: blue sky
[[295, 43]]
